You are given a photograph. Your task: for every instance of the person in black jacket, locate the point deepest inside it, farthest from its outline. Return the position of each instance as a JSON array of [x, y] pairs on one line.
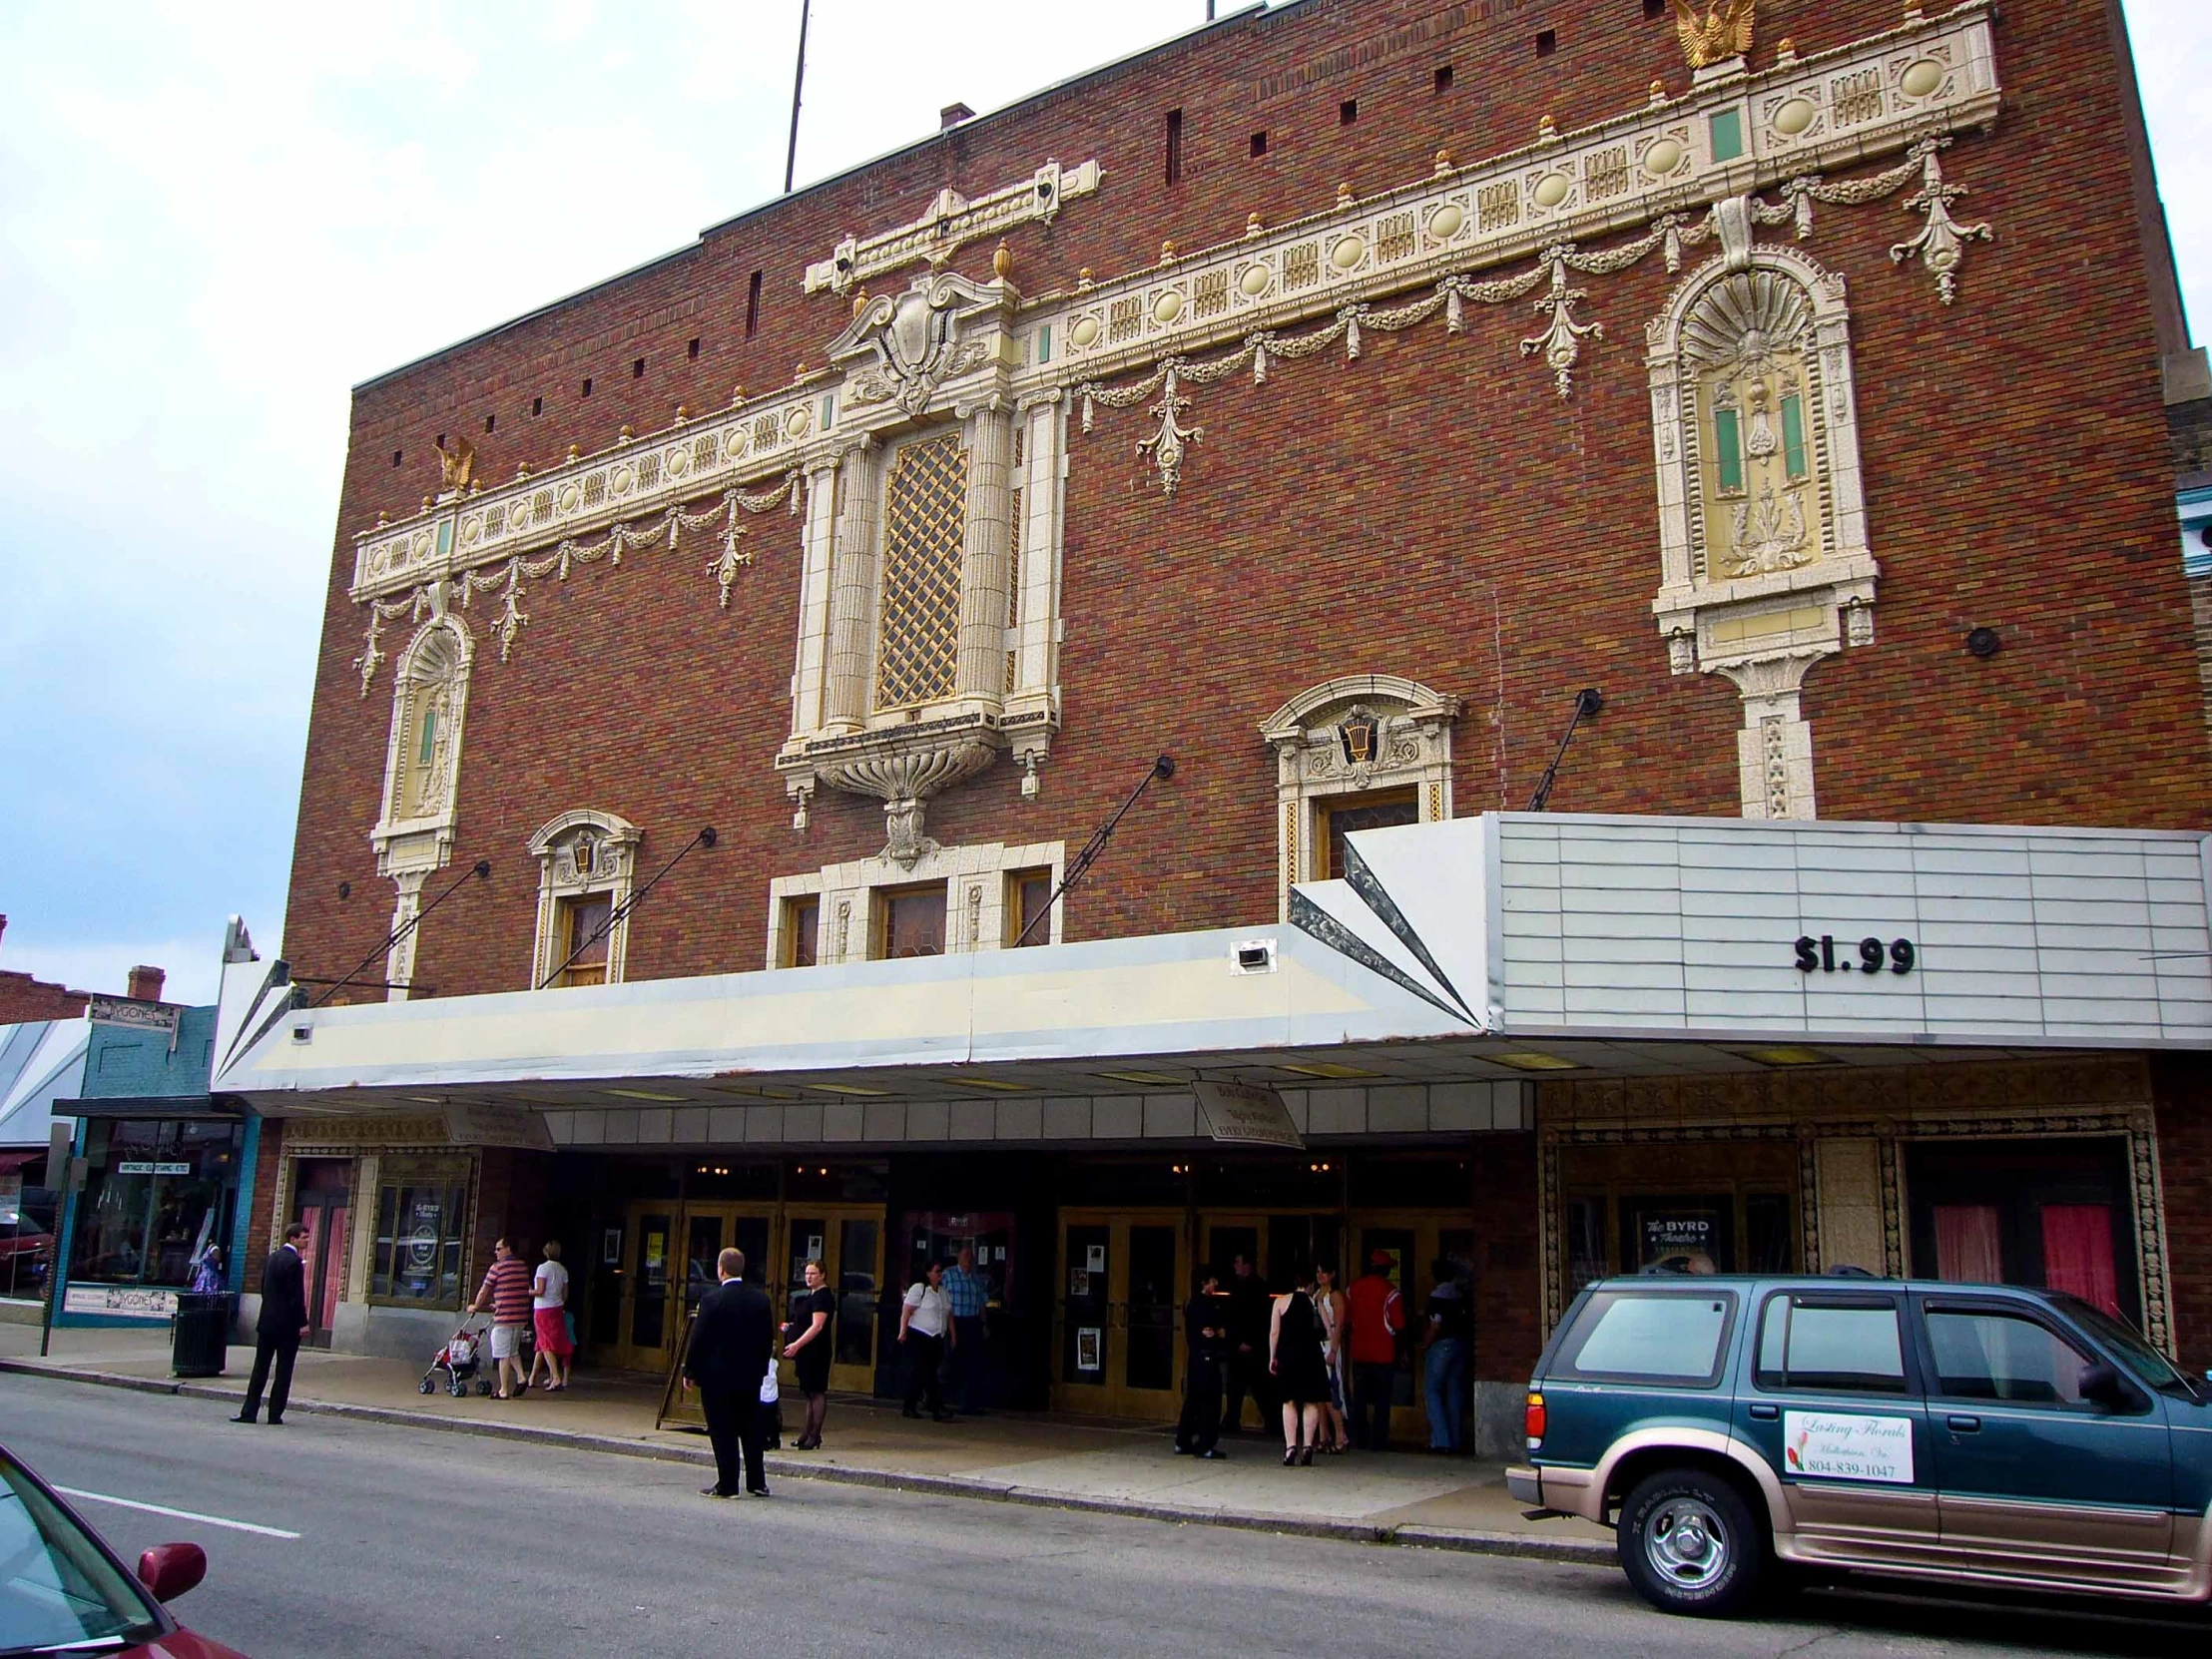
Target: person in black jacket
[[283, 1323], [1206, 1332], [733, 1339]]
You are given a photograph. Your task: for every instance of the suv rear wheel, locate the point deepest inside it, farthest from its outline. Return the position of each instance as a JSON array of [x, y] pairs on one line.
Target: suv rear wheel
[[1690, 1545]]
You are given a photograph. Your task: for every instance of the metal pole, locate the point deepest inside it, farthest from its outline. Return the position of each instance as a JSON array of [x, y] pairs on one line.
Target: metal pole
[[1587, 700], [1162, 766], [481, 870], [798, 80]]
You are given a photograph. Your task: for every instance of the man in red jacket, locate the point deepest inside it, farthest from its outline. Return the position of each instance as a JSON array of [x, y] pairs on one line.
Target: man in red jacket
[[1377, 1319]]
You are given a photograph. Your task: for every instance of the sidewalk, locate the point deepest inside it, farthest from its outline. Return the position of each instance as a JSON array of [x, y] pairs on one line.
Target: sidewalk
[[1090, 1464]]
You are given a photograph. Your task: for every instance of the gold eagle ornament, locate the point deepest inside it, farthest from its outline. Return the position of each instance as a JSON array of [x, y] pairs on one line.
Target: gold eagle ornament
[[1723, 33], [458, 464]]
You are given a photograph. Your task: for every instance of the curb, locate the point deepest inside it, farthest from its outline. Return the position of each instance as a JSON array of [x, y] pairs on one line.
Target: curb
[[1571, 1551]]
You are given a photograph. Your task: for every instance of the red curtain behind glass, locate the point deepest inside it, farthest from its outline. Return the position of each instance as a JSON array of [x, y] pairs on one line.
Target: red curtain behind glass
[[2077, 1253]]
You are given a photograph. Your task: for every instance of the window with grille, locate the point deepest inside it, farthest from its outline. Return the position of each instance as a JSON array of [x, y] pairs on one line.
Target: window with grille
[[918, 600]]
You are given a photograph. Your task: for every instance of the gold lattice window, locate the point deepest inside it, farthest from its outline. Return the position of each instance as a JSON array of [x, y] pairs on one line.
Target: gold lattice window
[[924, 519]]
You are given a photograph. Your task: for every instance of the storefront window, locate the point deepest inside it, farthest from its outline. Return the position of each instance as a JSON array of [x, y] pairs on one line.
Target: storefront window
[[157, 1194], [421, 1221]]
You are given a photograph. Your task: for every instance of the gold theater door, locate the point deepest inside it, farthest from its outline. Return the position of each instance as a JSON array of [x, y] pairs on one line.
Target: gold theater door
[[1123, 1278], [847, 1239]]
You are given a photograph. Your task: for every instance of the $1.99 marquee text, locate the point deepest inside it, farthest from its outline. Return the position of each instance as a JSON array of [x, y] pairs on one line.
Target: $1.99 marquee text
[[1825, 956]]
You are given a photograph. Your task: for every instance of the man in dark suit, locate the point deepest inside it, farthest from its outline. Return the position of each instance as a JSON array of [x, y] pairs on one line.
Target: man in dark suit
[[284, 1322], [732, 1344]]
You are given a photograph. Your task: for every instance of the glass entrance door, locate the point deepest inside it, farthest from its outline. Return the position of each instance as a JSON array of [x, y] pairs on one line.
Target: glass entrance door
[[847, 1240], [1123, 1278], [707, 1230]]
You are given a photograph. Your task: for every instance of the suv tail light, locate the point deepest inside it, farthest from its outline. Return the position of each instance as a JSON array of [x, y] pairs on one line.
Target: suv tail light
[[1535, 1421]]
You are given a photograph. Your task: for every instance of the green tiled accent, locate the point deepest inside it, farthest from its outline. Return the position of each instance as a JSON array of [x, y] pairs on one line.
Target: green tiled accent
[[1792, 434], [1044, 342], [446, 536], [1728, 134], [1729, 449]]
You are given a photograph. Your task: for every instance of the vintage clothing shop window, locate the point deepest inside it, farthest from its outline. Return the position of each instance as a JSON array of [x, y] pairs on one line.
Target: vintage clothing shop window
[[421, 1226]]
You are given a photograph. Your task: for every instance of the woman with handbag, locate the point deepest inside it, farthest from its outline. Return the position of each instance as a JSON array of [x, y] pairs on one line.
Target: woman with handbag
[[924, 1329], [806, 1347]]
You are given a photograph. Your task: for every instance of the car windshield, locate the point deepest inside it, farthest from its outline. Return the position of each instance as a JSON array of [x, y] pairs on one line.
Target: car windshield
[[57, 1586], [2142, 1359]]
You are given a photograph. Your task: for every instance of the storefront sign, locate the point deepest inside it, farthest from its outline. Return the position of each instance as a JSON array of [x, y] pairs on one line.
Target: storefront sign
[[1869, 955], [145, 1016], [485, 1124], [1680, 1236], [129, 1301], [1247, 1112], [141, 1166], [1836, 1447]]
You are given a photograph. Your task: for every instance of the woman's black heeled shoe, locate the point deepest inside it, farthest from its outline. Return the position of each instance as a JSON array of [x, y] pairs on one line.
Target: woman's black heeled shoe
[[1290, 1457], [1306, 1457]]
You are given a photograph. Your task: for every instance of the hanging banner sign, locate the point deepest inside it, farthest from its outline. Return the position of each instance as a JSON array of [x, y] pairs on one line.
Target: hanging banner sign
[[1247, 1112], [126, 1301], [485, 1124]]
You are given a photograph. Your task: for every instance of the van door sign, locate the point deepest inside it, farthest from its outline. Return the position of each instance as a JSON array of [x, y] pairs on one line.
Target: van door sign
[[1868, 955]]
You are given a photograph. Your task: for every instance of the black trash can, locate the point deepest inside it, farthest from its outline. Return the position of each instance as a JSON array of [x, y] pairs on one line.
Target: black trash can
[[201, 1332]]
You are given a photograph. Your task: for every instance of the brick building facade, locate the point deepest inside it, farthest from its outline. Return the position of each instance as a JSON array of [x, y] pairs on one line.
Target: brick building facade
[[1349, 378]]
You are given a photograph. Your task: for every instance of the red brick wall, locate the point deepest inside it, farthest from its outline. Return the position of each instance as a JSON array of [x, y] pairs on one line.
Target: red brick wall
[[2183, 1085], [1508, 1289], [24, 999], [261, 1227], [510, 1204], [1433, 509]]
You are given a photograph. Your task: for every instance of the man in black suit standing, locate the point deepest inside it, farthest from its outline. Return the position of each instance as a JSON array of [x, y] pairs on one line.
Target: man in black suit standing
[[284, 1322], [732, 1346]]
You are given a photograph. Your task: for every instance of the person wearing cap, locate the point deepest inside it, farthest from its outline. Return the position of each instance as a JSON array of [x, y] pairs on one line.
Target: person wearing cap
[[1374, 1319]]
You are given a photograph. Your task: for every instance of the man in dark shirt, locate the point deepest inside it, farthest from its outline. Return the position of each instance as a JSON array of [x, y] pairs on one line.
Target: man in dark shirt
[[1248, 1309], [1451, 1338], [1206, 1331]]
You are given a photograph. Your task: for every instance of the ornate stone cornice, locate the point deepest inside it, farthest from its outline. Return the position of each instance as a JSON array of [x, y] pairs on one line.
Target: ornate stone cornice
[[1665, 162]]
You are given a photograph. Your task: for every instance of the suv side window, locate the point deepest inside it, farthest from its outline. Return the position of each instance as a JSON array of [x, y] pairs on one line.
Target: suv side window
[[1836, 1344], [1982, 1354], [1650, 1337]]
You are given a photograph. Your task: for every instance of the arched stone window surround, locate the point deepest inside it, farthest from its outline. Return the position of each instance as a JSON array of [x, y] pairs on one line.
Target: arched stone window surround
[[1761, 612], [413, 836], [583, 854], [1411, 748]]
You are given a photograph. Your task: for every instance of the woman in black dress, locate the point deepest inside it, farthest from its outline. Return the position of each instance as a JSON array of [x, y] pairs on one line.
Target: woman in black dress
[[1301, 1373], [806, 1347]]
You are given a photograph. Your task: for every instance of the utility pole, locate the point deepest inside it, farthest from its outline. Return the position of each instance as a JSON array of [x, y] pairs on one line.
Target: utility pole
[[799, 81]]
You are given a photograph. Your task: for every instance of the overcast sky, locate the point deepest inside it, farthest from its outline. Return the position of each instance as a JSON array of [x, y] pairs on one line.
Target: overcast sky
[[215, 219]]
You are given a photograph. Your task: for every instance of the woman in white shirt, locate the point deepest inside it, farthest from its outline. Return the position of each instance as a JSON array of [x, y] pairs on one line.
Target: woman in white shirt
[[549, 1314], [925, 1331]]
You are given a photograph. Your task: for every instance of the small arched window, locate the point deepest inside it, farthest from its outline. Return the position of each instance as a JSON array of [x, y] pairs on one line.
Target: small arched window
[[587, 866]]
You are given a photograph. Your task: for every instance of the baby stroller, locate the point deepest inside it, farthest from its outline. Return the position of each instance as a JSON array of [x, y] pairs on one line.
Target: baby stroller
[[462, 1360]]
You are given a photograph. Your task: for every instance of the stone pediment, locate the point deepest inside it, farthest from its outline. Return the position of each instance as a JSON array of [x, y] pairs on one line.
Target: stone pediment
[[903, 348]]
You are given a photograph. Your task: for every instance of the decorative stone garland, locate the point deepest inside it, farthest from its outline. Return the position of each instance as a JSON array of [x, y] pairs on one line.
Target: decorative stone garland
[[1941, 245], [507, 577]]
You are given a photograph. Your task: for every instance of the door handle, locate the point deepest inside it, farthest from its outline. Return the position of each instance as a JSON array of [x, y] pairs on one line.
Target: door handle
[[1958, 1422], [1766, 1414]]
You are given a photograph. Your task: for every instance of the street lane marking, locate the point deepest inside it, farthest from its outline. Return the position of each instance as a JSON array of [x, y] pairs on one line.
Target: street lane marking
[[178, 1514]]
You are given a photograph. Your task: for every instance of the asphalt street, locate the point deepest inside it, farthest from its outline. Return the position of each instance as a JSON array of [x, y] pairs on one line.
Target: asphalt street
[[412, 1542]]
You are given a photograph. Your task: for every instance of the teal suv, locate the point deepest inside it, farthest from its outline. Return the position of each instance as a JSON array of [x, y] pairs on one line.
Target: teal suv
[[1969, 1434]]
